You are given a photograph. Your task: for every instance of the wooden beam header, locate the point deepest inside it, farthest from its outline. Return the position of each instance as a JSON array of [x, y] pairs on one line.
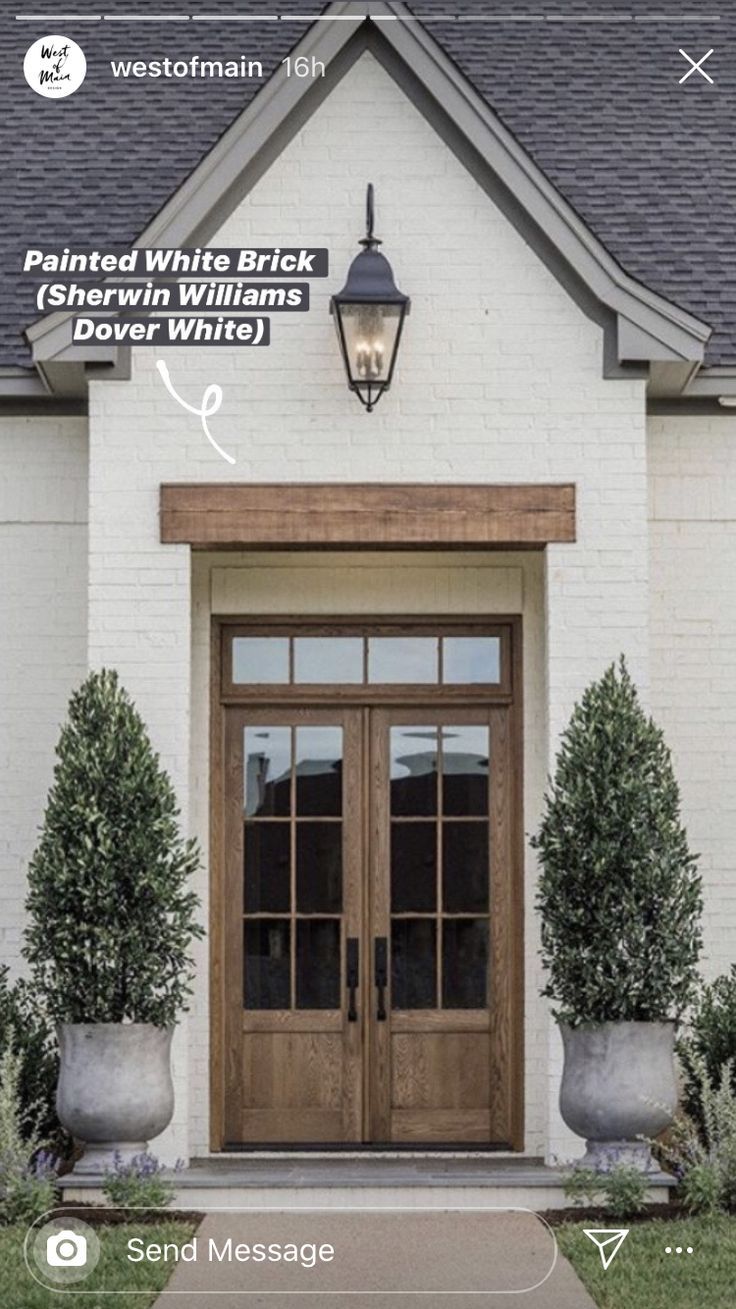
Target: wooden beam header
[[368, 516]]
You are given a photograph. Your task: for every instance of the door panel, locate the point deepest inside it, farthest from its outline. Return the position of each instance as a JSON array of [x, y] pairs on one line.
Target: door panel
[[294, 1067], [440, 873]]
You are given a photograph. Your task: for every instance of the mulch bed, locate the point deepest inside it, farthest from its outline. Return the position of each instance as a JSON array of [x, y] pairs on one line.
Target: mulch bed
[[601, 1217], [96, 1216]]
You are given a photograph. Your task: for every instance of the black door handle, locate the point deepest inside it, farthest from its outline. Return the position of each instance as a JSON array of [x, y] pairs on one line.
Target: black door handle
[[353, 975], [380, 959]]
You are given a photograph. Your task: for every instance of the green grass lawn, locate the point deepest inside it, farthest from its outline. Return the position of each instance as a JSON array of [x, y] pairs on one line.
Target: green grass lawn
[[642, 1276], [113, 1273]]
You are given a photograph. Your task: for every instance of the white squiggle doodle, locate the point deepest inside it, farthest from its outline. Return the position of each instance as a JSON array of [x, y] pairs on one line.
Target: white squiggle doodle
[[211, 401]]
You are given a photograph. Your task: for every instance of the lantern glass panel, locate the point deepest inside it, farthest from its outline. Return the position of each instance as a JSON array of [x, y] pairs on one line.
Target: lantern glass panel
[[370, 332]]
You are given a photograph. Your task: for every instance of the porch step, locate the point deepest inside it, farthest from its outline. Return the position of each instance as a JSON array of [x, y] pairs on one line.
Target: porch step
[[363, 1182]]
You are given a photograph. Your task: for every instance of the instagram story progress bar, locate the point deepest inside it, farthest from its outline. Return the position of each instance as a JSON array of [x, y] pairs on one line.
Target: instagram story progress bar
[[363, 13]]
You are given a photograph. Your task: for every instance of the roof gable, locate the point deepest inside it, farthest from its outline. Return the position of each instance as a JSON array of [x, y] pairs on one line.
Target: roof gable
[[640, 324]]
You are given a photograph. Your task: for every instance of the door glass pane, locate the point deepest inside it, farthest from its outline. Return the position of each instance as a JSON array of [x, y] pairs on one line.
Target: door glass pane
[[318, 768], [413, 963], [465, 770], [413, 867], [414, 770], [260, 659], [266, 868], [267, 971], [319, 868], [464, 867], [471, 659], [402, 659], [267, 770], [464, 963], [318, 963], [328, 659]]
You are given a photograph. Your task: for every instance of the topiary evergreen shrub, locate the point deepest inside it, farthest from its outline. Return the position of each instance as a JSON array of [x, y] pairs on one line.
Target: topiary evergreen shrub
[[111, 911], [619, 893]]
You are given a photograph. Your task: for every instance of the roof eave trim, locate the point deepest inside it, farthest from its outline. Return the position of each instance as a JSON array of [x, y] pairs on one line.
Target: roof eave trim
[[714, 382], [21, 383]]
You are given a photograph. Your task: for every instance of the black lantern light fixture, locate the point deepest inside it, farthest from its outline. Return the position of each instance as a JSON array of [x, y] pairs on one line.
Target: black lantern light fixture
[[369, 315]]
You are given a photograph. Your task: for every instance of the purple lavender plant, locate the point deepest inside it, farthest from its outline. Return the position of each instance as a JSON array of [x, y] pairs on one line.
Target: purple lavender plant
[[138, 1183], [44, 1166]]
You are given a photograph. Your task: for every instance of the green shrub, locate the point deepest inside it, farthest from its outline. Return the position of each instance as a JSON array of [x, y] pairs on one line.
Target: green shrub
[[583, 1186], [111, 915], [704, 1157], [622, 1192], [25, 1031], [625, 1192], [138, 1183], [27, 1171], [701, 1188], [619, 894], [711, 1038]]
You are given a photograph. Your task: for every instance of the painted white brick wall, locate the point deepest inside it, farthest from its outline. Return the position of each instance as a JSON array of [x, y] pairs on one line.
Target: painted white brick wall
[[43, 575], [499, 379], [692, 463]]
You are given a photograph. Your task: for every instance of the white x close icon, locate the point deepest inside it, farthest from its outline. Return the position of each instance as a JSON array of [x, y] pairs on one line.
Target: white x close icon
[[696, 67]]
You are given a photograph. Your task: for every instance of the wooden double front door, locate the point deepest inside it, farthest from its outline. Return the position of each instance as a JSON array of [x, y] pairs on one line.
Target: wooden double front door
[[370, 982]]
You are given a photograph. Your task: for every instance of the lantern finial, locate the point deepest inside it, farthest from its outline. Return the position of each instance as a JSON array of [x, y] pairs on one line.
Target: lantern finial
[[369, 214]]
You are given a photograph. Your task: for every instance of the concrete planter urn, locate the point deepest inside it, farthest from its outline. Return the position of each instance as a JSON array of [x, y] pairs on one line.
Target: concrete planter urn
[[618, 1084], [115, 1091]]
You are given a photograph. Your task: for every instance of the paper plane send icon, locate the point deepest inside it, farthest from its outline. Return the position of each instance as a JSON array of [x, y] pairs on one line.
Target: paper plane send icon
[[608, 1240]]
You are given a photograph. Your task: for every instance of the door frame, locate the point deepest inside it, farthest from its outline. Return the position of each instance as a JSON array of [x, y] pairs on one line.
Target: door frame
[[223, 695]]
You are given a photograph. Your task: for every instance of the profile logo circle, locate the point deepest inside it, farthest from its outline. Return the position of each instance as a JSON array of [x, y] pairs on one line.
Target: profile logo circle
[[65, 1250], [55, 67]]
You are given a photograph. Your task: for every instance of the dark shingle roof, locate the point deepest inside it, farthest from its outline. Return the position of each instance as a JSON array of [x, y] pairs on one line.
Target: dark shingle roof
[[648, 164]]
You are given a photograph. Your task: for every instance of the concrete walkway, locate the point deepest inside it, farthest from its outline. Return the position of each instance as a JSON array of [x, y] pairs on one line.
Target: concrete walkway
[[379, 1254]]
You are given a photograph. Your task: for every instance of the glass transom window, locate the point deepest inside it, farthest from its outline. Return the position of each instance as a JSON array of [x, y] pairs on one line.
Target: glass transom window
[[367, 660]]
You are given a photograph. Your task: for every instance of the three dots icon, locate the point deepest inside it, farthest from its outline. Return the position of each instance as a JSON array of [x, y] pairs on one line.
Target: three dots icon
[[678, 1249]]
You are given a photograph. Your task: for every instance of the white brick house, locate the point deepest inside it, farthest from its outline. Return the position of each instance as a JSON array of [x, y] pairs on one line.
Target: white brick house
[[530, 359]]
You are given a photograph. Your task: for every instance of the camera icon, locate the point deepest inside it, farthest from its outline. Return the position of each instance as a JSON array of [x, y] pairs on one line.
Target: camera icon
[[66, 1249]]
